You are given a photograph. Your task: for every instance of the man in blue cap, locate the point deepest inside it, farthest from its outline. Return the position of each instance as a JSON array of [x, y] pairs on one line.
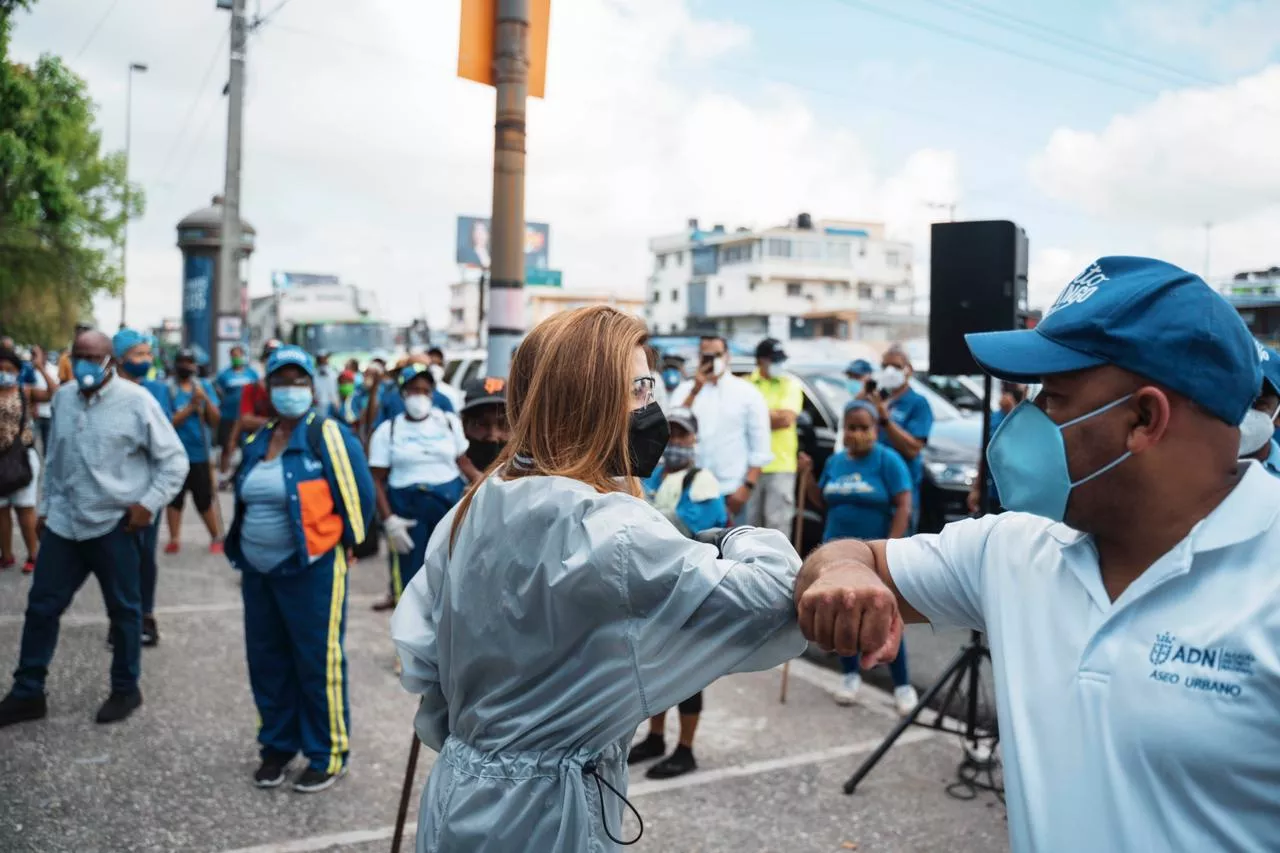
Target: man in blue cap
[[1258, 429], [857, 374], [1129, 596]]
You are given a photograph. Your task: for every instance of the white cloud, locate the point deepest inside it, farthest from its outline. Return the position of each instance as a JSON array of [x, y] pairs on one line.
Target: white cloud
[[1236, 36], [362, 146]]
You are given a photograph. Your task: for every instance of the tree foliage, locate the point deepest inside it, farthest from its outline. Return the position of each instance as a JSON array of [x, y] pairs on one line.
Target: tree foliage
[[62, 200]]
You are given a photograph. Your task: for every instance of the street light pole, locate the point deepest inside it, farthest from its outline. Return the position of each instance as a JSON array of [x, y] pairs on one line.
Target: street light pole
[[128, 142], [226, 293], [506, 272]]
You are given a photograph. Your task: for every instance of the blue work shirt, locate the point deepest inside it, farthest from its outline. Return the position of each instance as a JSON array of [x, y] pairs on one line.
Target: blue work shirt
[[161, 393], [911, 412], [194, 433], [860, 493], [390, 403], [330, 494], [230, 383]]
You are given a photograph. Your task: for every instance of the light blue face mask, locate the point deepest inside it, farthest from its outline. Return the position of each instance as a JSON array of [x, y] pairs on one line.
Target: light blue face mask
[[1028, 461], [291, 401]]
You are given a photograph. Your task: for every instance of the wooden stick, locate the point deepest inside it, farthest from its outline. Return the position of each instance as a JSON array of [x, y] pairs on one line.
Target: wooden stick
[[409, 772], [797, 540]]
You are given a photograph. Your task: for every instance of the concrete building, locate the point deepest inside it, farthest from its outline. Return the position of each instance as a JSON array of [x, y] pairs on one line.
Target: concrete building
[[807, 279], [539, 304], [1256, 296]]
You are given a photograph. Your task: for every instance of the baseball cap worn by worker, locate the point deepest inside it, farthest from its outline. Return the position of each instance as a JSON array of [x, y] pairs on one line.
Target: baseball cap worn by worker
[[1142, 315], [484, 392], [291, 355], [859, 367], [409, 371], [771, 350], [685, 419], [125, 340], [1270, 366]]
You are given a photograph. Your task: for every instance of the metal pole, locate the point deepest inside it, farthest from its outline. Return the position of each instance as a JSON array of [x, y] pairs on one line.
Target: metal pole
[[506, 273], [128, 146], [226, 298]]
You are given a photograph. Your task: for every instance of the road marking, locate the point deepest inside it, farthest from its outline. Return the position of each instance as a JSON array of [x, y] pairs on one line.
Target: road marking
[[642, 789], [79, 620], [870, 698]]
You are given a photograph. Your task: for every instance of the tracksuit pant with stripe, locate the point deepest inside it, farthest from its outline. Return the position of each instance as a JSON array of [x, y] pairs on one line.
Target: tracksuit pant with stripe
[[426, 505], [294, 628]]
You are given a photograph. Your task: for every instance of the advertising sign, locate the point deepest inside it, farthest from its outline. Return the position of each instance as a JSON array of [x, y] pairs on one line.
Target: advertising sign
[[290, 280], [197, 302], [544, 278], [473, 243]]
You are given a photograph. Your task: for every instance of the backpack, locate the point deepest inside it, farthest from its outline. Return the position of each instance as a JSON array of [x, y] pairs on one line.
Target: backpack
[[15, 464]]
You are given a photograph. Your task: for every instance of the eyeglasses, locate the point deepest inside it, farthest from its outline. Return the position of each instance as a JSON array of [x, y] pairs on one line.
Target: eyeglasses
[[642, 390]]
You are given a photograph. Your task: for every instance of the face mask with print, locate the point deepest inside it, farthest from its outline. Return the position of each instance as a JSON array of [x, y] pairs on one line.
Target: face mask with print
[[8, 380], [677, 458], [892, 378], [1256, 430], [417, 406], [291, 402], [861, 443]]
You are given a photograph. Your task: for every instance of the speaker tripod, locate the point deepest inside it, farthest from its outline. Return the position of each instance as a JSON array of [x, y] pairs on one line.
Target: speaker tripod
[[979, 741]]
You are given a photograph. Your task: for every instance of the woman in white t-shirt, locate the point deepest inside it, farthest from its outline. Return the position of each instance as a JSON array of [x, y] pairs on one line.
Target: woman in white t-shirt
[[420, 467]]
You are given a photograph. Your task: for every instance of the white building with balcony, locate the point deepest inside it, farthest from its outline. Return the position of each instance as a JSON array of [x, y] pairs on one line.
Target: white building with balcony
[[807, 279]]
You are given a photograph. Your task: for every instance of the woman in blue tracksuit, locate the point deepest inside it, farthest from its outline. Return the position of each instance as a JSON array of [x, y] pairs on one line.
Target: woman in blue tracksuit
[[866, 490], [303, 495], [420, 466]]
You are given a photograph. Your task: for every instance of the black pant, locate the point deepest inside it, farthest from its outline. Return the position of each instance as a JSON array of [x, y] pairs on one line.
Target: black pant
[[692, 705]]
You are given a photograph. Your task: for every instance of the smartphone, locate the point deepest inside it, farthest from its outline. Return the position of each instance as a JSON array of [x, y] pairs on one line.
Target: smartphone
[[870, 386], [707, 360]]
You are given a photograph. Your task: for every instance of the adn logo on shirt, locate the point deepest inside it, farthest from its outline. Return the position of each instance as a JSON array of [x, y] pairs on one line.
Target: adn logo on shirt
[[1195, 660]]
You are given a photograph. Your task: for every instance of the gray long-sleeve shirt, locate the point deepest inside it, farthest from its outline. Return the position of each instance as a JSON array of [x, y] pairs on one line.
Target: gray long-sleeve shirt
[[107, 452]]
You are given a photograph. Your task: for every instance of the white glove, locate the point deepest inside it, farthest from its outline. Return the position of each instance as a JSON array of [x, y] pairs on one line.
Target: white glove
[[397, 530]]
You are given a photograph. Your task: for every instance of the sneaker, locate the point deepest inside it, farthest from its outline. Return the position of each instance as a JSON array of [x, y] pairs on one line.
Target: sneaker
[[676, 764], [119, 706], [28, 567], [172, 547], [271, 773], [150, 632], [387, 603], [653, 746], [848, 690], [16, 710], [215, 547], [313, 781], [905, 699]]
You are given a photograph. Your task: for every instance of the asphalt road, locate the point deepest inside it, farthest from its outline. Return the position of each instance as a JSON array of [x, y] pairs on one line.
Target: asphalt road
[[176, 776]]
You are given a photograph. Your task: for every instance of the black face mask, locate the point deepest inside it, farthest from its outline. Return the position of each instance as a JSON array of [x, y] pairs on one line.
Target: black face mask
[[184, 372], [482, 453], [647, 439]]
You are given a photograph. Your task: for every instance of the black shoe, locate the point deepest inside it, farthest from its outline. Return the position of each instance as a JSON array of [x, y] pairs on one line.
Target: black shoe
[[119, 706], [150, 633], [271, 773], [382, 604], [651, 747], [312, 780], [676, 764], [16, 710]]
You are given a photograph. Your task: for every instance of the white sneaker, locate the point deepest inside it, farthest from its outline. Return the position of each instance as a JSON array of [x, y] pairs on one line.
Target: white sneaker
[[905, 699], [848, 690]]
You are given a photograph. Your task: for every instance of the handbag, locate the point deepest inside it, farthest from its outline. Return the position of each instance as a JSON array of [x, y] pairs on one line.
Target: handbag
[[15, 465]]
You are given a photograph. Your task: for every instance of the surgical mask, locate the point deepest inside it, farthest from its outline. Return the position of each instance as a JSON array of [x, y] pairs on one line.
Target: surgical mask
[[675, 457], [1256, 430], [8, 380], [671, 378], [137, 369], [855, 386], [292, 401], [237, 361], [483, 453], [417, 406], [90, 374], [184, 372], [1028, 461], [346, 388], [646, 439], [892, 378]]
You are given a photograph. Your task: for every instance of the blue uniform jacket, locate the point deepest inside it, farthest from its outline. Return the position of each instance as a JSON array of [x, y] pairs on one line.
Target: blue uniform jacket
[[331, 496]]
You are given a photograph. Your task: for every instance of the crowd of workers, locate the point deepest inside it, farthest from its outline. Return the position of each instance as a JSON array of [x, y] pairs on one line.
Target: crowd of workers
[[326, 465]]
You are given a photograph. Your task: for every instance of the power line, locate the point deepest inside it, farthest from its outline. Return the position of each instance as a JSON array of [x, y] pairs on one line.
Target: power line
[[263, 20], [1069, 41], [990, 45], [195, 102], [97, 27]]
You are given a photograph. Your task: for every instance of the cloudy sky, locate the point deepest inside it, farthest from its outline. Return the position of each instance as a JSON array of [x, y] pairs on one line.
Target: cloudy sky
[[1101, 126]]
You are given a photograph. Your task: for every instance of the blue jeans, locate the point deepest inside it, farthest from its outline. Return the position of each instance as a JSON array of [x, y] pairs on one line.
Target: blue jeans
[[897, 667], [61, 568], [147, 564]]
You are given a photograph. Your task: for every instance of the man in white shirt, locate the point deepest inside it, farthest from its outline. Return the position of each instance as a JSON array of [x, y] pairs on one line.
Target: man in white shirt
[[1130, 596], [734, 432]]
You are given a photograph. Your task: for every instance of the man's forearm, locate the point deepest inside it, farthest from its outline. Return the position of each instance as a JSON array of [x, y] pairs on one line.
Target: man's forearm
[[904, 442]]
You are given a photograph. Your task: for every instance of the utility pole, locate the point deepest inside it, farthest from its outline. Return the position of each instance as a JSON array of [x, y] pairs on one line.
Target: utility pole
[[506, 274], [128, 145], [226, 297]]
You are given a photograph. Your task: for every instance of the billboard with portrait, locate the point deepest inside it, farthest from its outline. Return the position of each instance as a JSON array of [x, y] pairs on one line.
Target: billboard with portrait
[[473, 243]]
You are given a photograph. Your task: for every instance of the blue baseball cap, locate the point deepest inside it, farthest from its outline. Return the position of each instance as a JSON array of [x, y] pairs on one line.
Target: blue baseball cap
[[1270, 366], [286, 355], [409, 371], [860, 367], [1145, 316], [126, 339]]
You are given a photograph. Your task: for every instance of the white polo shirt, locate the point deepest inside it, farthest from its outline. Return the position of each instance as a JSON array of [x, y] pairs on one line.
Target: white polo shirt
[[1147, 724], [421, 452]]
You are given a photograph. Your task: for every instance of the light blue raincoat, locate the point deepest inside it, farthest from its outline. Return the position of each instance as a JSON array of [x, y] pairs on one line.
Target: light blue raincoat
[[563, 619]]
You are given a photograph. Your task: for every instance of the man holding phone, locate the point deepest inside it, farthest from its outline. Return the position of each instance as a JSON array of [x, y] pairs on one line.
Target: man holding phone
[[905, 417], [733, 424]]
